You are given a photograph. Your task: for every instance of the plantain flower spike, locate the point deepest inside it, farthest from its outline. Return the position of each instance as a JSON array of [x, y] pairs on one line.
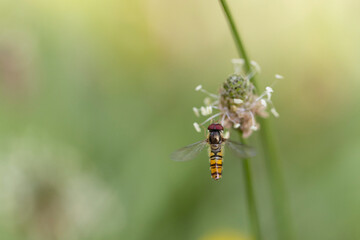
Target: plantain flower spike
[[237, 103]]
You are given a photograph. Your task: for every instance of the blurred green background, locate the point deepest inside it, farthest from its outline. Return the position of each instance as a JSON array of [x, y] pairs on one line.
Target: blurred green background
[[95, 95]]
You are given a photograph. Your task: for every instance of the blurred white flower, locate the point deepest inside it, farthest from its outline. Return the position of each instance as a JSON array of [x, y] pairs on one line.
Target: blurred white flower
[[46, 192]]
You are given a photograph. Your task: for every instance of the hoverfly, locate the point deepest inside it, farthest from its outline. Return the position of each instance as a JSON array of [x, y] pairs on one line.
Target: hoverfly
[[216, 142]]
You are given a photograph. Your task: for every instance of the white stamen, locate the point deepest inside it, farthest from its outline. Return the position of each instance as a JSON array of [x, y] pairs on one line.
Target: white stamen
[[209, 110], [256, 65], [269, 89], [278, 76], [227, 134], [209, 93], [238, 101], [241, 110], [254, 128], [263, 102], [227, 114], [196, 112], [274, 112], [213, 116], [223, 119], [207, 101], [214, 103], [268, 92], [197, 127], [203, 111], [238, 63], [198, 88], [237, 125], [250, 75]]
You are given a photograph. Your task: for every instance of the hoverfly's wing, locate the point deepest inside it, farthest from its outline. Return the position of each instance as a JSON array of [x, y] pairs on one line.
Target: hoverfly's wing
[[240, 150], [189, 152]]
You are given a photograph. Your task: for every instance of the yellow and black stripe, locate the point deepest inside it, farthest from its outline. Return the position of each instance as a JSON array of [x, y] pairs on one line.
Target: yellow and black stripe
[[216, 160]]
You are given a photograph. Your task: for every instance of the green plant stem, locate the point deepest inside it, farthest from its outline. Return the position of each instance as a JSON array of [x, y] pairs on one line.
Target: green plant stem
[[250, 196], [279, 200], [280, 205], [236, 35]]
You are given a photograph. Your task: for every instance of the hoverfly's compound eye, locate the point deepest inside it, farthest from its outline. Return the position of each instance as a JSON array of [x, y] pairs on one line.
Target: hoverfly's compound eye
[[215, 126]]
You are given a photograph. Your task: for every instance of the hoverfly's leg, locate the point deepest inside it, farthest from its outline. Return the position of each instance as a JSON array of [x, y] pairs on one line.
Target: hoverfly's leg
[[205, 134]]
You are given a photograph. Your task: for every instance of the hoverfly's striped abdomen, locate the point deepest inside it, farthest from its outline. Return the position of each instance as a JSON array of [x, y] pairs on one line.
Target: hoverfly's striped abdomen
[[216, 160]]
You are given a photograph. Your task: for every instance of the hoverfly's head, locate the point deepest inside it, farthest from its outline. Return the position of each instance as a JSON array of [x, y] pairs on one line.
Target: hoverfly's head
[[215, 127], [215, 135]]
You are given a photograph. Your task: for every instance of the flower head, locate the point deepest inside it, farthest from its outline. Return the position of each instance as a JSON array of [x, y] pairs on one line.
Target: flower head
[[237, 101]]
